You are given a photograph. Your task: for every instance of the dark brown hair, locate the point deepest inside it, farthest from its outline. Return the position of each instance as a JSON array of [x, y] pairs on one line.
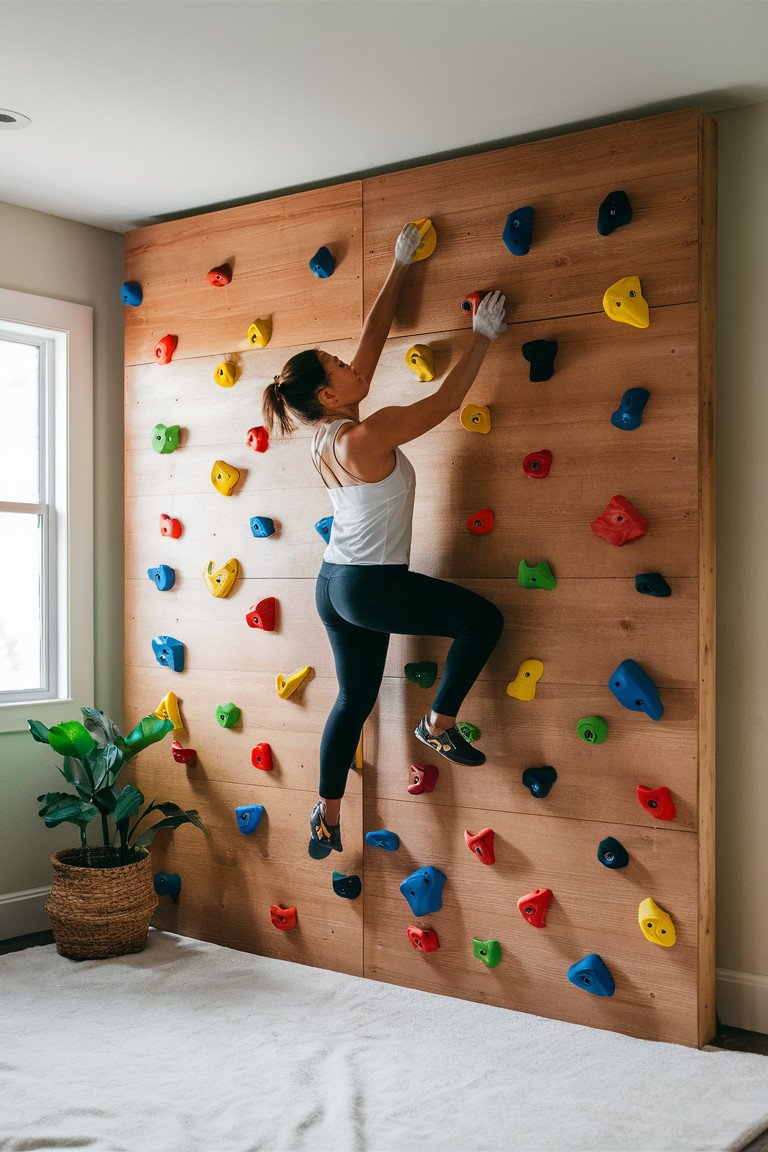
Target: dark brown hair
[[294, 393]]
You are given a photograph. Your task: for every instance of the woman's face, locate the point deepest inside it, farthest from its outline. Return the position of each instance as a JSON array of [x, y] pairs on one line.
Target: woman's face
[[345, 386]]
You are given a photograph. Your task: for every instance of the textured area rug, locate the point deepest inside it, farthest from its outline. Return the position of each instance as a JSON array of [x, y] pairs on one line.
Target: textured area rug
[[189, 1046]]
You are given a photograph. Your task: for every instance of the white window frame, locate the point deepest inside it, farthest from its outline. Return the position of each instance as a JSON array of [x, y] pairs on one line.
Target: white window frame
[[66, 331]]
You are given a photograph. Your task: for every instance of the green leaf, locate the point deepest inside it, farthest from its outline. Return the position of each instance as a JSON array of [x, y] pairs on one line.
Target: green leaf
[[105, 762], [70, 738], [189, 817], [148, 731], [130, 801], [103, 730], [61, 807], [74, 773], [38, 731]]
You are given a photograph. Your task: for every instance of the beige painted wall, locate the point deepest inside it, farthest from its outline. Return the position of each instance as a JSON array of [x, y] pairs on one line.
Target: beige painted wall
[[52, 257]]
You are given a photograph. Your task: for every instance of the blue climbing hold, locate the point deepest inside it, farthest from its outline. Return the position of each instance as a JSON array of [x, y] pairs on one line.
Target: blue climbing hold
[[518, 231], [592, 975], [613, 213], [322, 264], [249, 817], [629, 413], [163, 576], [539, 781], [540, 354], [389, 841], [652, 584], [349, 887], [424, 890], [262, 526], [169, 652], [167, 884], [131, 293], [612, 854], [324, 527], [634, 688]]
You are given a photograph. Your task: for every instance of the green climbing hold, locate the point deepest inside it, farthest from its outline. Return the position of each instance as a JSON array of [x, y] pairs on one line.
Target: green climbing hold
[[592, 729], [536, 575], [423, 674], [165, 439], [227, 715], [489, 951], [470, 732]]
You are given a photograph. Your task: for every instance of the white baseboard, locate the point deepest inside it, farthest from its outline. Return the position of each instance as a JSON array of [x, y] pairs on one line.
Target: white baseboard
[[742, 999], [22, 913]]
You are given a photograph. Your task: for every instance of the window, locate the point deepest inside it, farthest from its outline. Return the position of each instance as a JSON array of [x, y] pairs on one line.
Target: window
[[46, 509]]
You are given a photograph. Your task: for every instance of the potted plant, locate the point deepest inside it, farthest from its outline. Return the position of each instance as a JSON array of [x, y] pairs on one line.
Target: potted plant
[[102, 896]]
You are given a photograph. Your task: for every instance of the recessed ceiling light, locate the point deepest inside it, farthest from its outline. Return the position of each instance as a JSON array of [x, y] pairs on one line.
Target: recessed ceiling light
[[11, 120]]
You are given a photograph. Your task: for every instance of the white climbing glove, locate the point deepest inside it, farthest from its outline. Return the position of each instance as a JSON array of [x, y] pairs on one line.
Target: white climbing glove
[[489, 318], [407, 243]]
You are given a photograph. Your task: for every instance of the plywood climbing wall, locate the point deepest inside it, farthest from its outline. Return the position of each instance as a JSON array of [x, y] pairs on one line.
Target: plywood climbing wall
[[581, 630]]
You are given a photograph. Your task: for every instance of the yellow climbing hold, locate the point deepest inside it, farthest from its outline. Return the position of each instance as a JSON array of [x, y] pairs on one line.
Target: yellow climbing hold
[[523, 687], [260, 332], [287, 685], [221, 580], [656, 924], [419, 358], [476, 418], [224, 477], [226, 373], [168, 709], [624, 302], [428, 240]]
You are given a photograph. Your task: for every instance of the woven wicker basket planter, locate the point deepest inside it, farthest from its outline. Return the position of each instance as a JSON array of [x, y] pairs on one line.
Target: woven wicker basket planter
[[98, 911]]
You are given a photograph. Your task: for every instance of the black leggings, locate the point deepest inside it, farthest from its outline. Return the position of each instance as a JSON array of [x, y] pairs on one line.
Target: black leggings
[[360, 606]]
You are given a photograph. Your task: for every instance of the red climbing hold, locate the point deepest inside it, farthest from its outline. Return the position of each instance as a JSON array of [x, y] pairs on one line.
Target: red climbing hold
[[537, 464], [220, 276], [481, 522], [283, 918], [471, 302], [620, 522], [657, 802], [533, 907], [258, 439], [262, 615], [181, 754], [482, 845], [422, 778], [165, 348], [261, 757], [170, 526], [423, 939]]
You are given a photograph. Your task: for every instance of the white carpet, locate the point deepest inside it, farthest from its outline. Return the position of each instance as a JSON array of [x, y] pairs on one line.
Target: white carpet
[[189, 1047]]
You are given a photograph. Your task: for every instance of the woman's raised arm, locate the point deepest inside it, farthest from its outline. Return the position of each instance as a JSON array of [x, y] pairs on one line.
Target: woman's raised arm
[[379, 319]]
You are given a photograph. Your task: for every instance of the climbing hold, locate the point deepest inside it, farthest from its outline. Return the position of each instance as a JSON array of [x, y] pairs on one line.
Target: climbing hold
[[536, 575], [349, 887], [470, 732], [383, 838], [249, 817], [657, 802], [260, 332], [634, 688], [131, 293], [169, 652], [471, 302], [620, 522], [629, 414], [533, 907], [226, 373], [283, 918], [652, 584], [219, 276], [656, 924], [420, 360], [592, 729], [324, 527], [540, 354], [482, 845], [624, 302], [165, 440], [322, 264], [167, 884], [165, 348], [227, 715], [539, 781], [224, 477], [258, 438], [422, 778], [428, 240], [262, 526], [423, 939], [614, 212], [592, 975], [287, 685], [476, 418], [423, 674], [170, 526], [261, 757], [537, 464], [423, 890], [489, 951], [481, 522], [168, 709], [183, 755], [262, 615], [523, 687], [220, 582], [518, 231], [612, 854], [163, 576]]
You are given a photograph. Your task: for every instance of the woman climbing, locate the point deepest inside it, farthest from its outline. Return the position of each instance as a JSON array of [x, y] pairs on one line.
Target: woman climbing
[[365, 590]]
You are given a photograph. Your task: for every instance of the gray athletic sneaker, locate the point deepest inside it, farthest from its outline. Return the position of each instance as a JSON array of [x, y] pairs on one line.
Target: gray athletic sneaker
[[450, 744]]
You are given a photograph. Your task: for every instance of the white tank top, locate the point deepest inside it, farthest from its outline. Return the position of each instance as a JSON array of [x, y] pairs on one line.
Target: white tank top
[[372, 523]]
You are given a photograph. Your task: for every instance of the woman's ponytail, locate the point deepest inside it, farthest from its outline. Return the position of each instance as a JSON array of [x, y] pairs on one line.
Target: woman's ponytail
[[294, 393]]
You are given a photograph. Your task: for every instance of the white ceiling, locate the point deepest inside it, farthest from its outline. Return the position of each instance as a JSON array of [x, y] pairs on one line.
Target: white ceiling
[[143, 110]]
